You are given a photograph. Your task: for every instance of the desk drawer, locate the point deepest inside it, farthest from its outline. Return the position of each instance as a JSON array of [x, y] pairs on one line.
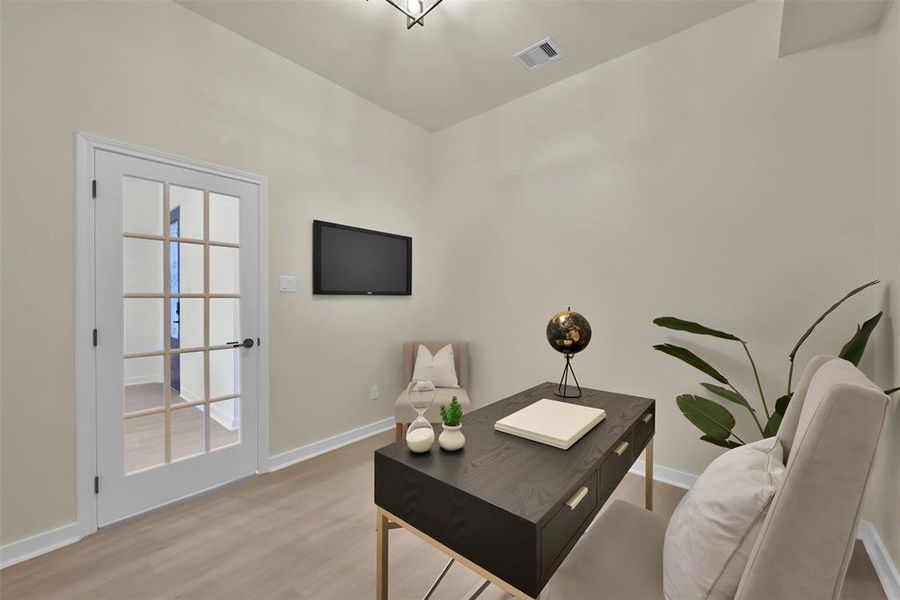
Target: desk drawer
[[567, 523], [616, 465], [644, 429]]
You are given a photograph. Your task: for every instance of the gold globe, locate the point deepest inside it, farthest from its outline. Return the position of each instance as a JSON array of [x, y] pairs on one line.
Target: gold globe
[[568, 332]]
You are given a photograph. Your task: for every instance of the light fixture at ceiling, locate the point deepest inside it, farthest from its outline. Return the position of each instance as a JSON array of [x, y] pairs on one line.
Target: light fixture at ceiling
[[415, 10]]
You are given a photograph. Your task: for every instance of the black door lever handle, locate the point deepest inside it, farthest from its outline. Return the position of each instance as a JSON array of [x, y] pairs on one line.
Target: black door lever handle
[[247, 343]]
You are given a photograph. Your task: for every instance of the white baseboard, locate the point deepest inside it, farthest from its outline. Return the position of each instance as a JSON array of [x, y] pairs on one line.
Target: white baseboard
[[662, 474], [223, 417], [881, 560], [286, 459], [878, 554], [21, 550], [141, 379]]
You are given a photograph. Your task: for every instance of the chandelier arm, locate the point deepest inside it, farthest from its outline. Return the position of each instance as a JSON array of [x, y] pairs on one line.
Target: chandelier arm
[[412, 18], [400, 8], [421, 18]]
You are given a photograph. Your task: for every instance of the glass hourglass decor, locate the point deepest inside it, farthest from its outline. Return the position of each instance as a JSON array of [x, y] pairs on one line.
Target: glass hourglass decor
[[420, 435]]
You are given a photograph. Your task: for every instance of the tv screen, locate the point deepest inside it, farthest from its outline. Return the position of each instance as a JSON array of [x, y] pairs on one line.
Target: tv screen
[[350, 260]]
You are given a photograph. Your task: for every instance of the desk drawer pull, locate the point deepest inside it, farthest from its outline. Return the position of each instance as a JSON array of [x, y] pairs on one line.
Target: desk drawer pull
[[575, 500], [647, 418], [621, 448]]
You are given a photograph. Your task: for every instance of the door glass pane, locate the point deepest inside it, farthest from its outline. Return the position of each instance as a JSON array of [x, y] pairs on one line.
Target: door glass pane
[[185, 212], [224, 320], [142, 266], [224, 372], [186, 268], [224, 218], [186, 327], [143, 325], [145, 439], [142, 206], [224, 270], [144, 383], [187, 432], [186, 377], [225, 423]]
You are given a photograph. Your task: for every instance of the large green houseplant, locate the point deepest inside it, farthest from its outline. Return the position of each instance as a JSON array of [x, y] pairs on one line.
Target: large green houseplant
[[714, 419]]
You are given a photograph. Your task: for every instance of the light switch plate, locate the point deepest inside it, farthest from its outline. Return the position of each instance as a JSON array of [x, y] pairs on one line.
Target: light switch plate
[[374, 392], [287, 284]]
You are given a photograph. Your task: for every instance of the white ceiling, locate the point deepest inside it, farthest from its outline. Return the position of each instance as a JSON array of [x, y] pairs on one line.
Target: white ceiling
[[461, 62], [808, 24]]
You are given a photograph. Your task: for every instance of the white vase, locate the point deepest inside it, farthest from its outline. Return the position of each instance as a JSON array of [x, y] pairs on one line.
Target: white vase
[[452, 438]]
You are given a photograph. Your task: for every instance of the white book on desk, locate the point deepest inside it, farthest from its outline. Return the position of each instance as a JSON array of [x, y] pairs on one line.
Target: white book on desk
[[558, 424]]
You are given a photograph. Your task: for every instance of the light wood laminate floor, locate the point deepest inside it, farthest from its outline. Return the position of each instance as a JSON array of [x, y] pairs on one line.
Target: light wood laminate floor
[[307, 531]]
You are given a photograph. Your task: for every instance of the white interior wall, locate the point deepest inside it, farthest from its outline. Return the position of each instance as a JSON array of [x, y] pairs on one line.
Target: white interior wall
[[155, 74], [701, 177], [883, 506]]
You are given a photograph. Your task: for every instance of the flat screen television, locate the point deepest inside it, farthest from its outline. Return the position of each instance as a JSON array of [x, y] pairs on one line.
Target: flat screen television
[[351, 260]]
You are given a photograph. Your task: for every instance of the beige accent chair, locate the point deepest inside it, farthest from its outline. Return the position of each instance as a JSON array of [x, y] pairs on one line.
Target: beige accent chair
[[829, 434], [404, 413]]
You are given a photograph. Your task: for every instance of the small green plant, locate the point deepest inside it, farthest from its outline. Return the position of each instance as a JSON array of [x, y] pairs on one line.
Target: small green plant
[[715, 420], [452, 413]]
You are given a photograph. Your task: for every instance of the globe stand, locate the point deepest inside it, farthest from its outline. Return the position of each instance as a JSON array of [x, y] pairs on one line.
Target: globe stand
[[562, 389]]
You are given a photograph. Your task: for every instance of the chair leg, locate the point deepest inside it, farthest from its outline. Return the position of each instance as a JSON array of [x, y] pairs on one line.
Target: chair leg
[[399, 431]]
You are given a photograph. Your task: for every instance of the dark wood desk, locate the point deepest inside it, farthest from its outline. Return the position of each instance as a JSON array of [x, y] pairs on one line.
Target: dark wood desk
[[509, 508]]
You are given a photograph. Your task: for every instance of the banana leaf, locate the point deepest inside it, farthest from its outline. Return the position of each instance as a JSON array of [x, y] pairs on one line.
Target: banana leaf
[[782, 403], [773, 424], [691, 327], [722, 443], [728, 394], [854, 349], [710, 417], [825, 314], [692, 359]]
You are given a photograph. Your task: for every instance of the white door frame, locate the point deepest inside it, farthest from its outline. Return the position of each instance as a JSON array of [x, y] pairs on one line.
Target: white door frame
[[85, 355]]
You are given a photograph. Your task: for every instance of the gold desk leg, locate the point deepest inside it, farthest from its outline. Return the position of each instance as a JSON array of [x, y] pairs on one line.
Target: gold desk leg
[[381, 555], [648, 475]]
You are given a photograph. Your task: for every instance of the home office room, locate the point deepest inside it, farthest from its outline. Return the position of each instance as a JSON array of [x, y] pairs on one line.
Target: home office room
[[557, 299]]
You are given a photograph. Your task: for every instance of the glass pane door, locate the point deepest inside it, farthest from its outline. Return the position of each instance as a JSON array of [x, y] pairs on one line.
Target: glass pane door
[[177, 289], [182, 378]]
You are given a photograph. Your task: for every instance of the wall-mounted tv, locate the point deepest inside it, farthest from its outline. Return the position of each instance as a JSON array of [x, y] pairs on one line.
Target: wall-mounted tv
[[351, 260]]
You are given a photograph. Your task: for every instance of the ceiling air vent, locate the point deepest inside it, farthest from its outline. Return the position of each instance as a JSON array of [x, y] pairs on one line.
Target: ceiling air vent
[[538, 55]]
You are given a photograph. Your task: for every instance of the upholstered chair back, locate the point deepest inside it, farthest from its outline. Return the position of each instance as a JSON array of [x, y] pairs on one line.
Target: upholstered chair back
[[460, 359], [830, 433]]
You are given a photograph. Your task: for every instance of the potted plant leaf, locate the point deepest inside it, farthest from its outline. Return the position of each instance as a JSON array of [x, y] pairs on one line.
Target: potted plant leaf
[[451, 437], [713, 418]]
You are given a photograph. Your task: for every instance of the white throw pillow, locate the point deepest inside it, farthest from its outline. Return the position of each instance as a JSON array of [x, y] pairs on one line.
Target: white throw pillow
[[439, 368], [713, 529]]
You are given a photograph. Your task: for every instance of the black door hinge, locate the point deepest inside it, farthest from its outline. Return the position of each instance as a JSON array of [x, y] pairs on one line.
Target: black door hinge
[[94, 188], [96, 484], [95, 338]]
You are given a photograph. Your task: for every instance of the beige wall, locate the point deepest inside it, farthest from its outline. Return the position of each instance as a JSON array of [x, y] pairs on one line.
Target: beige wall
[[158, 75], [701, 177], [884, 506]]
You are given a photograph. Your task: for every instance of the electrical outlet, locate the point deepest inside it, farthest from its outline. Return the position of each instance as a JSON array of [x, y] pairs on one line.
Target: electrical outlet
[[373, 392]]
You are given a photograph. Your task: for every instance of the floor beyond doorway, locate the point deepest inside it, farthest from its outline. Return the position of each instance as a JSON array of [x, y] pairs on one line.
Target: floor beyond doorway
[[145, 436], [307, 531]]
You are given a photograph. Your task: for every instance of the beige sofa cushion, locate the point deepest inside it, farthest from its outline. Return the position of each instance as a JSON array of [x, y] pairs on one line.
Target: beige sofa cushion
[[714, 527], [405, 413]]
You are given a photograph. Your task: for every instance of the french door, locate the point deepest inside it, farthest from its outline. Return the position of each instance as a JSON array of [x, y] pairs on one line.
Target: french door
[[177, 317]]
